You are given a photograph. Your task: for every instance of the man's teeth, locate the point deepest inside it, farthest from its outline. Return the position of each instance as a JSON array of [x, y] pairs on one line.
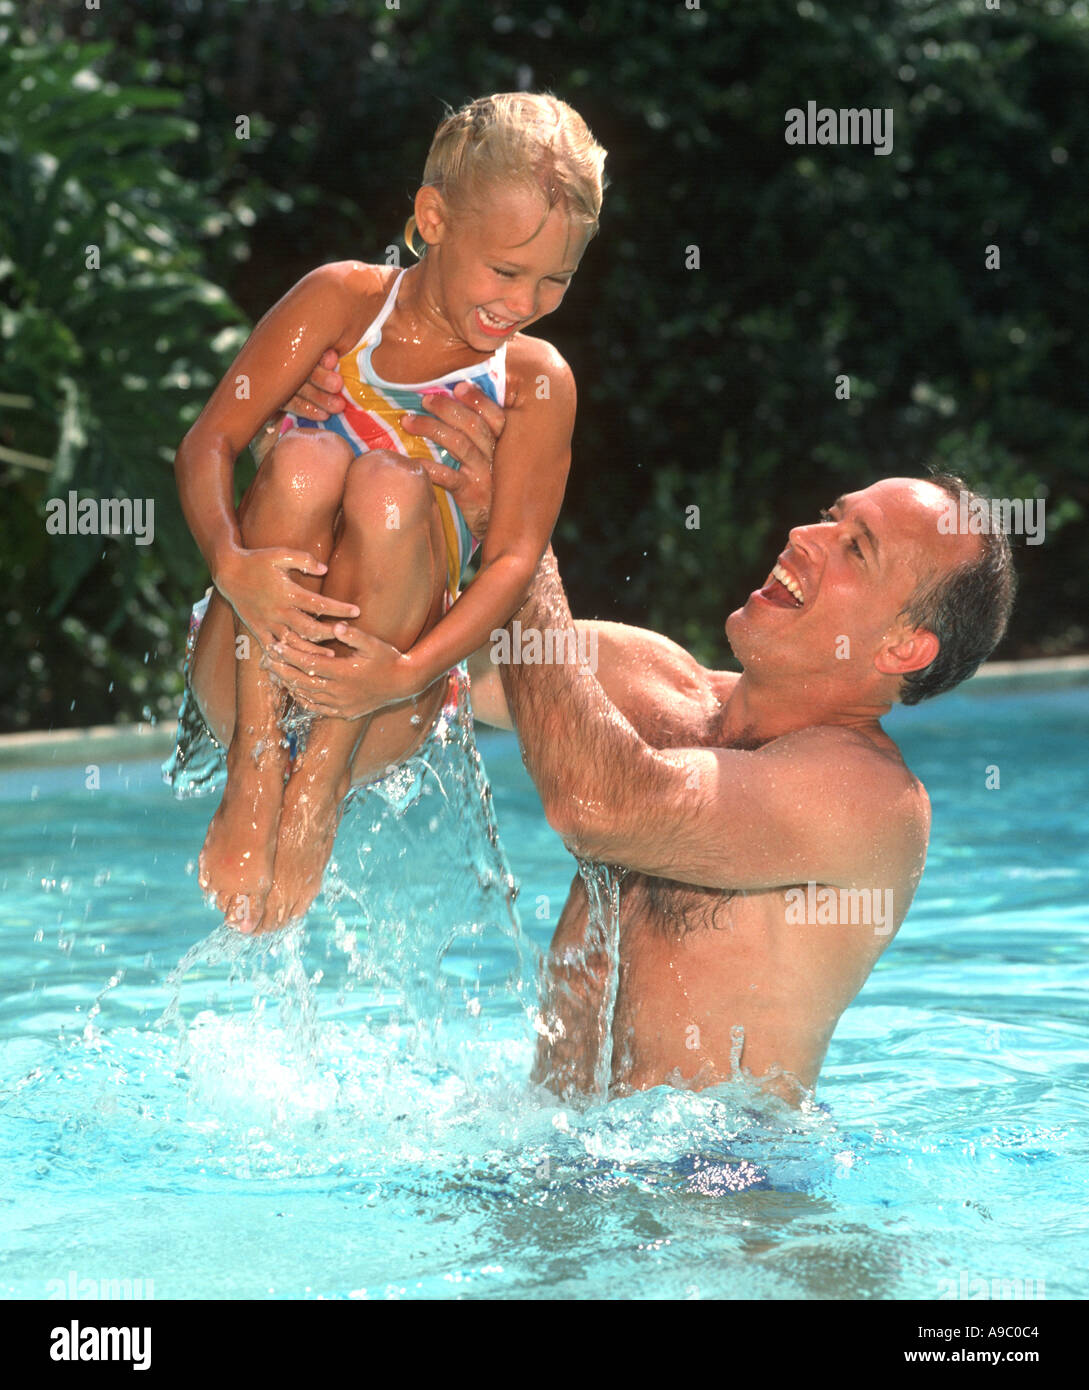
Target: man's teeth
[[791, 584]]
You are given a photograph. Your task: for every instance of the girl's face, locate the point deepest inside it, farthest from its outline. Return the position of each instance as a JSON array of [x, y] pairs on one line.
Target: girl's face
[[500, 269]]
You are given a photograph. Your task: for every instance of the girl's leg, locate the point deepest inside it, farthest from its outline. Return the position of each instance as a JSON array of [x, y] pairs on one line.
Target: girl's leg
[[293, 502], [397, 576]]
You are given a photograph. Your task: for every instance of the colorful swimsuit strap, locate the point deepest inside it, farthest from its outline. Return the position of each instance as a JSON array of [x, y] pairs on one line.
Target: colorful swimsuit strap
[[383, 314], [494, 366], [371, 420]]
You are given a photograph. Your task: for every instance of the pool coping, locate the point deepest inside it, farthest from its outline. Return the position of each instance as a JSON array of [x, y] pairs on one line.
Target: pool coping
[[146, 740]]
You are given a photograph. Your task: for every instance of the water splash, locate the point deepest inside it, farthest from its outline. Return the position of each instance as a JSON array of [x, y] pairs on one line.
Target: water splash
[[737, 1047], [424, 938], [602, 883], [92, 1034]]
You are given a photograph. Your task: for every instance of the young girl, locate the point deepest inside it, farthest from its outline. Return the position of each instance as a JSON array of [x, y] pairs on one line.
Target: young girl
[[341, 521]]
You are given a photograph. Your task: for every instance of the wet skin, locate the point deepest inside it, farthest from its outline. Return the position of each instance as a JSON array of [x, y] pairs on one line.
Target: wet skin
[[311, 541], [786, 777], [775, 779]]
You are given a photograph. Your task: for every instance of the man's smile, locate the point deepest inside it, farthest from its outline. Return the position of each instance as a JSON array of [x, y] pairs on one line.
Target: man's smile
[[782, 588]]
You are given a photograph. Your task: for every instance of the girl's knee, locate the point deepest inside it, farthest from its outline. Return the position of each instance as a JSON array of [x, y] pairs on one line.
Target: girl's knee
[[387, 492], [310, 465]]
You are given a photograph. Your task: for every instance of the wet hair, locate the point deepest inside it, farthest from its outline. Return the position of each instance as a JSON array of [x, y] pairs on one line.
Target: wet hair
[[966, 608], [522, 139]]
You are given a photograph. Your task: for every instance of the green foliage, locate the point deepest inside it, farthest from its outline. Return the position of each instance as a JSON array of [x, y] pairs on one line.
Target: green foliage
[[110, 339], [710, 387]]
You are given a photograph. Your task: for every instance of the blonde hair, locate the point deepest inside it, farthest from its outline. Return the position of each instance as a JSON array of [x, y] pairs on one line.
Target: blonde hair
[[521, 138]]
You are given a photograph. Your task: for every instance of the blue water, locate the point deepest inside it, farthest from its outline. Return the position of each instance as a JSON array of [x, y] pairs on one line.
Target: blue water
[[345, 1113]]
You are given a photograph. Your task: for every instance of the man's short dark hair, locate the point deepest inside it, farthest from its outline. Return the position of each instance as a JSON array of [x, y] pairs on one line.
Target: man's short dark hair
[[966, 608]]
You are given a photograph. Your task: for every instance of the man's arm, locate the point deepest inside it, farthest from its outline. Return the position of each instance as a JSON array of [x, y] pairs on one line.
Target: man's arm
[[662, 690], [801, 808]]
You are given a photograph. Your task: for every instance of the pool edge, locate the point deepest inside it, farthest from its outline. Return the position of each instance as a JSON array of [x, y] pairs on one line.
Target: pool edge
[[143, 740]]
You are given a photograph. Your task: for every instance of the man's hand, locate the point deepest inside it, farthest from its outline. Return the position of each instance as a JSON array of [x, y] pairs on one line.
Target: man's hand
[[467, 425], [320, 397], [315, 399]]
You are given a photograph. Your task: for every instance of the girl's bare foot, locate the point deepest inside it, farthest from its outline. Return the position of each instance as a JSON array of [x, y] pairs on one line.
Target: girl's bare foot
[[240, 847], [308, 827]]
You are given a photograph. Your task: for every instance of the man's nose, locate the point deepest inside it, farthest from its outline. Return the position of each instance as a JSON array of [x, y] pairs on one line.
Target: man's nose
[[802, 537], [806, 541]]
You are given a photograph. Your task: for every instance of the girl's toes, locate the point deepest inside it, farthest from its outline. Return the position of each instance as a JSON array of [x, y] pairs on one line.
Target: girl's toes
[[239, 912], [274, 908]]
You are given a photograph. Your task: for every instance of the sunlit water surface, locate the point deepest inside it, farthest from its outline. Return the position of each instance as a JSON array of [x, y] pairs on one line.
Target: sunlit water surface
[[345, 1112]]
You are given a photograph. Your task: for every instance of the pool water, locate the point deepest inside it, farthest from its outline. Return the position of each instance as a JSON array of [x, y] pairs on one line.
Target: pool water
[[344, 1112]]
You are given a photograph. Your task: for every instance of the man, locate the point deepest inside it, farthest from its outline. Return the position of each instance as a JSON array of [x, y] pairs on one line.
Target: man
[[771, 833]]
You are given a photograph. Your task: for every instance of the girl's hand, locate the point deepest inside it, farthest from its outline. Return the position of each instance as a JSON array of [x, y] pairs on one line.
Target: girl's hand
[[342, 687], [258, 586]]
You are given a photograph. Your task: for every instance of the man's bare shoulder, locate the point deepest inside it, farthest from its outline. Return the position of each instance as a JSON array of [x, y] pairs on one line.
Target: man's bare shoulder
[[661, 688], [862, 767], [652, 653], [875, 753]]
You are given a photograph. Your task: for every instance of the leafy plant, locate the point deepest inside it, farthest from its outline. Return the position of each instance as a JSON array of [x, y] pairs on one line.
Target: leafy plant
[[110, 339]]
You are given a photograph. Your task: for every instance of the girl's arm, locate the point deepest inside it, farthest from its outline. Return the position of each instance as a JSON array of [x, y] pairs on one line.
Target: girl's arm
[[532, 460], [275, 361], [534, 439]]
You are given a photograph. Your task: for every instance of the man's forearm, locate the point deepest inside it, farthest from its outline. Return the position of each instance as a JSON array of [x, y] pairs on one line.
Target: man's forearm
[[580, 750]]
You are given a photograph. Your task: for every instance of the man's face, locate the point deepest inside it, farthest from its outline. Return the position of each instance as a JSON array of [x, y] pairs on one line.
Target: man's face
[[854, 570]]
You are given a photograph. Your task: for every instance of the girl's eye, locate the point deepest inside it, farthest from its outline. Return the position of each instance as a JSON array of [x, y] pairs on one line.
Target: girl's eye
[[506, 274]]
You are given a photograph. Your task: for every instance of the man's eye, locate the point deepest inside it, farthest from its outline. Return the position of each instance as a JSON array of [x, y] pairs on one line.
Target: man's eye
[[826, 515]]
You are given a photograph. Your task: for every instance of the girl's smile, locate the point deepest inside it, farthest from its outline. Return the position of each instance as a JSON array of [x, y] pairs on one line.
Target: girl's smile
[[493, 271], [493, 325]]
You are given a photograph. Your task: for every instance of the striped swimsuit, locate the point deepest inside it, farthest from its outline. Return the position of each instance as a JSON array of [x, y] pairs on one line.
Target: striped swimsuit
[[371, 419]]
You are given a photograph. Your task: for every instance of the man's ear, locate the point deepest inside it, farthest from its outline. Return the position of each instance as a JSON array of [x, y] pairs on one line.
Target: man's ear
[[432, 214], [907, 651]]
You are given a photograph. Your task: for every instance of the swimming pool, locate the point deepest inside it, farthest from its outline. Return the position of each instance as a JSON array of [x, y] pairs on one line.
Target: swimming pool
[[348, 1116]]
